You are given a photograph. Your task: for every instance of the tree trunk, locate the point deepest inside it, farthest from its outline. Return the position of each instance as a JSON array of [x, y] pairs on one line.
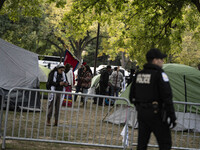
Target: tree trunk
[[77, 54]]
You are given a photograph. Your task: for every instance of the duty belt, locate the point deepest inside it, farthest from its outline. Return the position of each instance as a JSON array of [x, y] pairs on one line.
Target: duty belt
[[153, 105]]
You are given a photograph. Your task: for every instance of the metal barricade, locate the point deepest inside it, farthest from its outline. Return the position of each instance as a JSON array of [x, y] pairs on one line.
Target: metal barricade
[[87, 123], [1, 114], [186, 134], [84, 123]]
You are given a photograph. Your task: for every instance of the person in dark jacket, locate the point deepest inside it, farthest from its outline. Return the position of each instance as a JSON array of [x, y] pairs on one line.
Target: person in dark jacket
[[130, 77], [79, 79], [58, 82], [151, 94], [86, 82], [103, 83]]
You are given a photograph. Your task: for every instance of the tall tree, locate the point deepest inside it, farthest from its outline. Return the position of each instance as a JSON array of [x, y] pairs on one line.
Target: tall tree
[[140, 24]]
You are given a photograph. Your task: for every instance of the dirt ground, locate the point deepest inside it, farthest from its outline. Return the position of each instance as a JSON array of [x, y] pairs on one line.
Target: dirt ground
[[23, 145]]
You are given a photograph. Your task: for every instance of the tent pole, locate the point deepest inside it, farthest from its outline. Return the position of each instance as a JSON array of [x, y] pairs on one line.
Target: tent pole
[[107, 113], [185, 93], [97, 46]]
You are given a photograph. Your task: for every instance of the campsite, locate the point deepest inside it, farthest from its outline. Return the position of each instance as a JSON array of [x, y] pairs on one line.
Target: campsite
[[88, 124], [99, 74], [107, 122]]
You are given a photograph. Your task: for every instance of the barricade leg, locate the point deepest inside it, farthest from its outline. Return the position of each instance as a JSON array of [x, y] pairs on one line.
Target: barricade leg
[[1, 114]]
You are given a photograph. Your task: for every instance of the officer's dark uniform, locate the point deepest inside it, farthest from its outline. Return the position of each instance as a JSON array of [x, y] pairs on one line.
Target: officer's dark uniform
[[151, 94]]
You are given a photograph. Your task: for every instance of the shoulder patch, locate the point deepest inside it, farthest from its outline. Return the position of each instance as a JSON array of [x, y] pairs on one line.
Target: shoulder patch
[[165, 77]]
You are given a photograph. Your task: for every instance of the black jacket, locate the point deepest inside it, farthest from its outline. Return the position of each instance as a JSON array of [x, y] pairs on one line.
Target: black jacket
[[152, 84], [59, 79], [104, 79]]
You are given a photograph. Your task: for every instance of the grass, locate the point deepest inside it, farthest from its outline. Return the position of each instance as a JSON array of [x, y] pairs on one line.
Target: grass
[[76, 126]]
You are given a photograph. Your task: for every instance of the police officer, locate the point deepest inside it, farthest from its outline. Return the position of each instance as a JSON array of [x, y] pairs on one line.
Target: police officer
[[151, 94]]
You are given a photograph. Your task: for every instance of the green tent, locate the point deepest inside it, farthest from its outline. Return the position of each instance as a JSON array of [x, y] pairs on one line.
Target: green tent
[[95, 80], [43, 76], [125, 94], [185, 83], [184, 80]]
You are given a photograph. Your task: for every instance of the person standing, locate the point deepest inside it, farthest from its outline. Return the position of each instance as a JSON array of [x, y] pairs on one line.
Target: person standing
[[130, 77], [57, 81], [115, 79], [86, 80], [79, 79], [103, 83], [151, 94]]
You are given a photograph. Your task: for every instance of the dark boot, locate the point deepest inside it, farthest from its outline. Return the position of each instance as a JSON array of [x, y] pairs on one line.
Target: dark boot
[[48, 121], [56, 123]]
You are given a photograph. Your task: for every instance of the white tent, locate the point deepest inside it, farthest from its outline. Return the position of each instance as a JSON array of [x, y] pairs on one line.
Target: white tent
[[19, 67]]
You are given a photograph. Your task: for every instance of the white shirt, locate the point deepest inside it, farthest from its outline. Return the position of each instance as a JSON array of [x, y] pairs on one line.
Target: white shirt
[[69, 75]]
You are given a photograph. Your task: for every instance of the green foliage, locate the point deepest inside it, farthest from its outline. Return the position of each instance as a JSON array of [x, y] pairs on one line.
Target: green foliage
[[128, 26], [37, 34], [59, 3], [16, 8], [135, 26], [22, 32]]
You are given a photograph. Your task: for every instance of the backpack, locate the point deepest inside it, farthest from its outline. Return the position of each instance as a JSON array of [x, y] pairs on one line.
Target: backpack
[[50, 78]]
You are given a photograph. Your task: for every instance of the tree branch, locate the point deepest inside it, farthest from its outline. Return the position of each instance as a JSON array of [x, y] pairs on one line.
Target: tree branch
[[55, 44], [71, 43], [87, 42], [61, 41]]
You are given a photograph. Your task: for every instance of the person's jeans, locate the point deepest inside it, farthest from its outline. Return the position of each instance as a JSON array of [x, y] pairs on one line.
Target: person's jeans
[[115, 91], [78, 89], [56, 107], [83, 98]]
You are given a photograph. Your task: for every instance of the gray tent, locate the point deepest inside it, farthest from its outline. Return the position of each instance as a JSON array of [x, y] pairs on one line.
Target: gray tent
[[19, 67]]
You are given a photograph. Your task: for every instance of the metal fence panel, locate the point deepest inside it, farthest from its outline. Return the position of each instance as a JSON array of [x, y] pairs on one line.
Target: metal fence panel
[[83, 123], [1, 114], [186, 135], [86, 123]]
